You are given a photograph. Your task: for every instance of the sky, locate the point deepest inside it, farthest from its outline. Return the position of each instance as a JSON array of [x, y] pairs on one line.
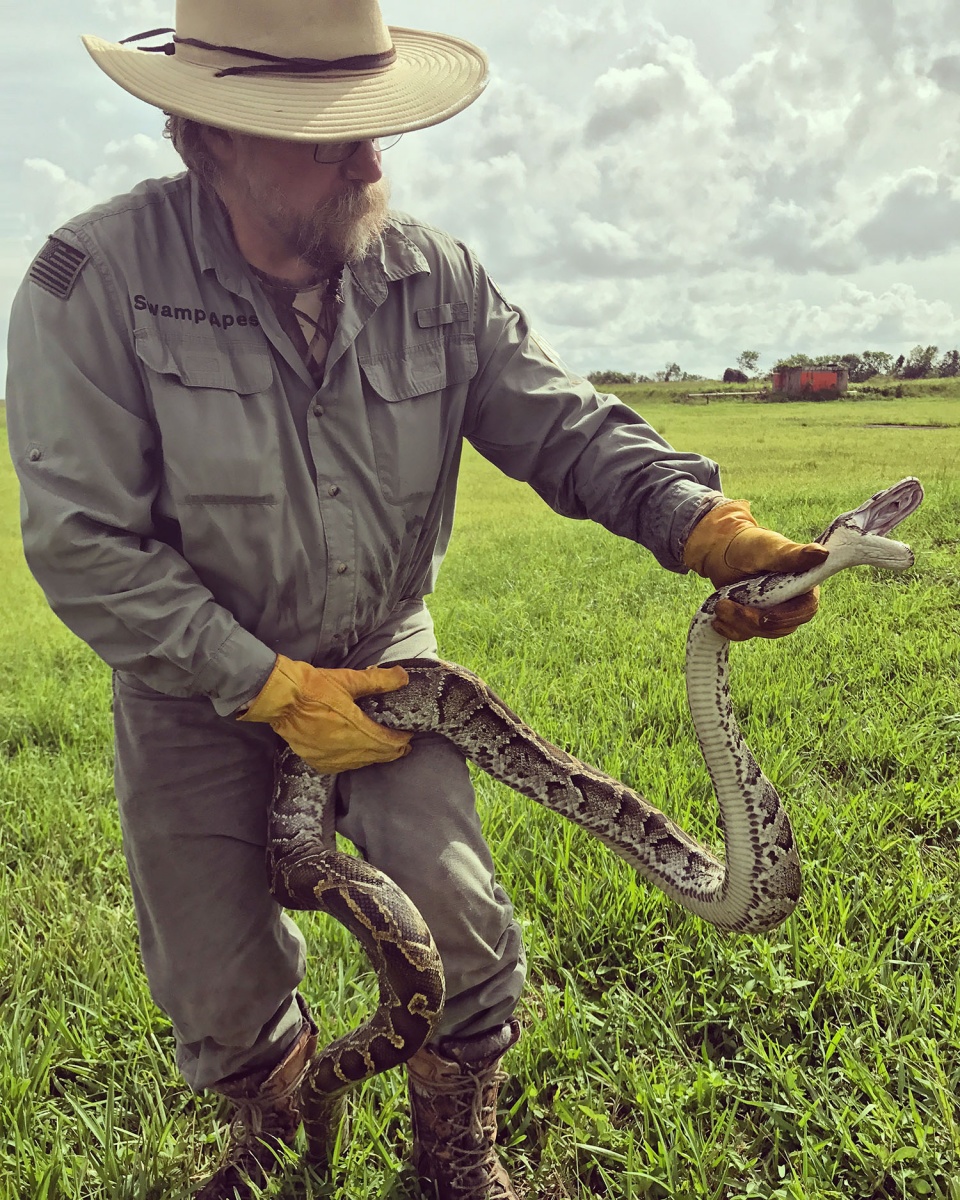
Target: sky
[[653, 181]]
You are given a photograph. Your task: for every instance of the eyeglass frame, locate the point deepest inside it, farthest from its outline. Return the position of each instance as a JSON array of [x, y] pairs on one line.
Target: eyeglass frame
[[350, 148]]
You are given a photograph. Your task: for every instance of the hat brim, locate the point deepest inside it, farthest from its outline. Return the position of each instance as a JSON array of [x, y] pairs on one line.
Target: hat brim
[[433, 77]]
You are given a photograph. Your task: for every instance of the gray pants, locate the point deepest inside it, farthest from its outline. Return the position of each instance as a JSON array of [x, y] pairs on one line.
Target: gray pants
[[222, 959]]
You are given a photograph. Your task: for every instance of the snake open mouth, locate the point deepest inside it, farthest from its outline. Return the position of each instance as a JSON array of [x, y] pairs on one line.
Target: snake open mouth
[[886, 509]]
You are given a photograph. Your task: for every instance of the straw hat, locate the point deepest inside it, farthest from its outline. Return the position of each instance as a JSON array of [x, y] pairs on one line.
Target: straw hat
[[304, 70]]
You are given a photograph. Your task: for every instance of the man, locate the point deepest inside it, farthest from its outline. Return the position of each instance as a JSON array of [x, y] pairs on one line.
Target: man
[[236, 405]]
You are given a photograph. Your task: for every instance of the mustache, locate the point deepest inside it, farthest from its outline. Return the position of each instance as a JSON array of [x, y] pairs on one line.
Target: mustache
[[354, 202]]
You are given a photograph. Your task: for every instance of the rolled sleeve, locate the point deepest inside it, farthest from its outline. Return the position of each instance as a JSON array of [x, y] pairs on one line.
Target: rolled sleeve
[[587, 455], [85, 453]]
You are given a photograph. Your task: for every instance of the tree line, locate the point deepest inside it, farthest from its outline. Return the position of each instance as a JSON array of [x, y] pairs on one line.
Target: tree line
[[923, 362]]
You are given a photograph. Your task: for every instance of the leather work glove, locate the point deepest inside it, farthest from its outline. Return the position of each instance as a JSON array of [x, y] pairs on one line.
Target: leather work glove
[[727, 545], [313, 710]]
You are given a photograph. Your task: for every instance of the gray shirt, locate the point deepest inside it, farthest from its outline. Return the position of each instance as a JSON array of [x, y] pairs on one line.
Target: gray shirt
[[192, 502]]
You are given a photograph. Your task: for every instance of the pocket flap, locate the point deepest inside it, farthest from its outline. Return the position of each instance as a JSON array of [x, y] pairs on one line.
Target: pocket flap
[[421, 369], [201, 363], [443, 314]]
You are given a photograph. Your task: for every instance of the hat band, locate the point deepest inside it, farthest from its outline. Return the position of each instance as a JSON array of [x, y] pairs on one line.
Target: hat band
[[270, 64]]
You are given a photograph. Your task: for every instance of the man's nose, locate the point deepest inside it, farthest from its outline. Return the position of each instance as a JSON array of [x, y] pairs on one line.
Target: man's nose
[[364, 163]]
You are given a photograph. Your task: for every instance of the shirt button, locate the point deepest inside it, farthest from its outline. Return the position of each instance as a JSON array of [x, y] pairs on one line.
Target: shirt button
[[35, 454], [318, 410], [341, 568], [333, 490]]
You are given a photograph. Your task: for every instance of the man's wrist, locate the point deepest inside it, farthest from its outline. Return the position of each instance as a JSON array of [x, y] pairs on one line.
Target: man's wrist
[[709, 502]]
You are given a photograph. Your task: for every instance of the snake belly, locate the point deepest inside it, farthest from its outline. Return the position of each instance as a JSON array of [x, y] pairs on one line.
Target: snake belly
[[752, 889]]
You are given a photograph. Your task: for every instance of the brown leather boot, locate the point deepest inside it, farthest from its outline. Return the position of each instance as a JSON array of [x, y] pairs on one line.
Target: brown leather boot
[[453, 1105], [266, 1118]]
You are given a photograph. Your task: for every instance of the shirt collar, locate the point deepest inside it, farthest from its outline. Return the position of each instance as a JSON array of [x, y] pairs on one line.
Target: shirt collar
[[394, 257]]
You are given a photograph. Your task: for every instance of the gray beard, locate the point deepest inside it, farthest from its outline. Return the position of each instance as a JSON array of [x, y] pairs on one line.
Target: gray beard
[[340, 230]]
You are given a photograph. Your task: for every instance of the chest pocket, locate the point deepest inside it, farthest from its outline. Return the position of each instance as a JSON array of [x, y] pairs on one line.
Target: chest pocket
[[413, 409], [216, 418]]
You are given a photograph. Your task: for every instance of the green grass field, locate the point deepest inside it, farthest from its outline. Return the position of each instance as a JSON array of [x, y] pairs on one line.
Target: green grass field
[[661, 1058]]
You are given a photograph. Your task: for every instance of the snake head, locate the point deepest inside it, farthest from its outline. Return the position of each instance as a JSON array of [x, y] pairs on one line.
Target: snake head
[[859, 537], [882, 512]]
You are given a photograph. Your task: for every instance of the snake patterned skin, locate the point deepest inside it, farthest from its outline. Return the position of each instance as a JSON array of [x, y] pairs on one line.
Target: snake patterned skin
[[754, 888]]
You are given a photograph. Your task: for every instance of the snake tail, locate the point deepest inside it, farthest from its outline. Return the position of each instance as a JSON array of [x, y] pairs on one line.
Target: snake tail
[[307, 872]]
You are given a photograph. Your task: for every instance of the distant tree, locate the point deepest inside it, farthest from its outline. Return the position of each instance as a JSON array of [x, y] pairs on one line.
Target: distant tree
[[920, 363], [877, 361], [747, 361], [795, 360], [672, 371], [860, 367], [897, 367], [949, 366], [857, 370], [609, 378]]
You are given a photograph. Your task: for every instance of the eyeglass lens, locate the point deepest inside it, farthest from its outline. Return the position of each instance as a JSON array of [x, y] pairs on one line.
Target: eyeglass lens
[[332, 152]]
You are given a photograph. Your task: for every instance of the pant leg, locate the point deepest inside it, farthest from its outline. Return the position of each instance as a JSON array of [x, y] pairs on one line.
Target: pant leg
[[222, 958], [416, 819]]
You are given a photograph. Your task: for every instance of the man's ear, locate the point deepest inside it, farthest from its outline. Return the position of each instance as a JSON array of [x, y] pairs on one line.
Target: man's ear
[[222, 144]]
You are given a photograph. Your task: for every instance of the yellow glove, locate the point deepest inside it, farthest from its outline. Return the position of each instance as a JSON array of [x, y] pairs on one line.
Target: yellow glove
[[313, 710], [727, 545]]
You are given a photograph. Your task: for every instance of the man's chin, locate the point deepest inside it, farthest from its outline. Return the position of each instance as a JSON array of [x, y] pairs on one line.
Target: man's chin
[[357, 243], [348, 228]]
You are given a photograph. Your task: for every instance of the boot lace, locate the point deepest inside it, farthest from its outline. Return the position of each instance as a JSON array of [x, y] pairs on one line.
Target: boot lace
[[473, 1110], [255, 1127]]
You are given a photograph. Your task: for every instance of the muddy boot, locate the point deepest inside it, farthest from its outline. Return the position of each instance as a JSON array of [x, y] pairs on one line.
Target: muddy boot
[[453, 1106], [265, 1120]]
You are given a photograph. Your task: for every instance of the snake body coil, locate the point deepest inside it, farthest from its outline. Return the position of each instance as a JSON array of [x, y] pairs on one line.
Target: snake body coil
[[754, 888]]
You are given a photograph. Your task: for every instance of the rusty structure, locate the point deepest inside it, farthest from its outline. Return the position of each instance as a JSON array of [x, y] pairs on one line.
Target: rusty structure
[[817, 383]]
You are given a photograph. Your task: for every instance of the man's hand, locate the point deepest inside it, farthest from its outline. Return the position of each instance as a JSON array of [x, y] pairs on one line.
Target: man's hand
[[727, 545], [313, 710]]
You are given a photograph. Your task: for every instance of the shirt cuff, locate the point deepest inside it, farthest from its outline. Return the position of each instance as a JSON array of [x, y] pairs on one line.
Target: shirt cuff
[[706, 503], [237, 672]]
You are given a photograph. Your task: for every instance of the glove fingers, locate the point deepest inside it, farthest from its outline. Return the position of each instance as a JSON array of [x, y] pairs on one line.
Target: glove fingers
[[370, 682], [800, 558], [735, 622], [739, 623], [348, 737], [793, 612], [332, 763], [754, 550]]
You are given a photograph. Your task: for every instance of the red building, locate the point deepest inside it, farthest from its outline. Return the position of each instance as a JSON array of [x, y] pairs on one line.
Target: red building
[[799, 381]]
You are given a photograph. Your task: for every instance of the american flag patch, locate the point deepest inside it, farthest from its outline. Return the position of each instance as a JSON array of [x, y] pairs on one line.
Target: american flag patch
[[57, 267]]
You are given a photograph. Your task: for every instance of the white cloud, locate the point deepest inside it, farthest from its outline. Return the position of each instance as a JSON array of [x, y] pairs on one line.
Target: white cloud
[[918, 216], [53, 196], [144, 14], [653, 181], [576, 31], [945, 71]]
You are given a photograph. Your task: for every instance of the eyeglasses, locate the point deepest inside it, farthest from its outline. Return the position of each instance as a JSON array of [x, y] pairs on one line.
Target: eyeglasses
[[334, 152]]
